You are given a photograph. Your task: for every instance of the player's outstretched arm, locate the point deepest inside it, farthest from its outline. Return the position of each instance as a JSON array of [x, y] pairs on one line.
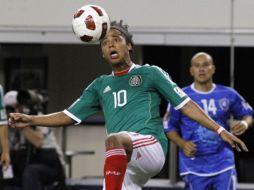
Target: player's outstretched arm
[[193, 111], [55, 119]]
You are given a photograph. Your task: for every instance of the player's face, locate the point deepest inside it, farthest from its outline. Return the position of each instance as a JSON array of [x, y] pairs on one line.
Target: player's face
[[202, 69], [115, 49]]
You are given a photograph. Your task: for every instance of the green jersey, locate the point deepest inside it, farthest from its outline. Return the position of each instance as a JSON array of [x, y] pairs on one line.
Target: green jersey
[[3, 116], [130, 102]]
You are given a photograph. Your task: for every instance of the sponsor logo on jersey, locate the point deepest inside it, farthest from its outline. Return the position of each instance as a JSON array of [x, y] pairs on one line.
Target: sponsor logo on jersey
[[224, 104], [107, 89], [179, 91], [135, 80]]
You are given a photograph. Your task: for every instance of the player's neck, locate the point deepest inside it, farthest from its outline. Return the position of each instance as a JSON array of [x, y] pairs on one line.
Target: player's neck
[[203, 87], [122, 68]]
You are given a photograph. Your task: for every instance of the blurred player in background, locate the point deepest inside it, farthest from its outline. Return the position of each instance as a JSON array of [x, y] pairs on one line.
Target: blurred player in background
[[5, 158], [130, 97], [205, 161]]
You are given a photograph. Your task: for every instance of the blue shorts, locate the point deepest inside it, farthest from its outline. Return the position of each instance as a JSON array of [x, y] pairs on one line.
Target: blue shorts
[[225, 180]]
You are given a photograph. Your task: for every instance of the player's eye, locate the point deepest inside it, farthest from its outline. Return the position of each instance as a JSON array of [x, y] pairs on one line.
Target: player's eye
[[104, 42], [196, 65], [206, 64], [117, 39]]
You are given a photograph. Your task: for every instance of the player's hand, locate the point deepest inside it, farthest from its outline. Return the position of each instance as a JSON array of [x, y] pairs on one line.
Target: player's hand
[[19, 120], [189, 148], [238, 128], [5, 160], [233, 141]]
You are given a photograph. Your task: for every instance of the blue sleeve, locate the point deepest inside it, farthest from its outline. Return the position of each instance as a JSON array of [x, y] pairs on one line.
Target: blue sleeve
[[240, 107], [173, 121]]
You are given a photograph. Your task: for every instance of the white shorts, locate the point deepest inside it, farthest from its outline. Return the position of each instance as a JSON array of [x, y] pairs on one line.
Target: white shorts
[[146, 161]]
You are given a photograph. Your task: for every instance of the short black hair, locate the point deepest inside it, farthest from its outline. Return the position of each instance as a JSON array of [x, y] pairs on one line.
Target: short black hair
[[123, 28]]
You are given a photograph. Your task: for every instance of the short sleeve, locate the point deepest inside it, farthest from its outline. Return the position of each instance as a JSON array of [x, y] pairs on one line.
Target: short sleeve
[[240, 107], [87, 104], [3, 115], [169, 90]]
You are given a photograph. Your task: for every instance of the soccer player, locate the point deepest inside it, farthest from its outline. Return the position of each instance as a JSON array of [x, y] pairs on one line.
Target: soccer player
[[205, 161], [130, 96], [5, 157]]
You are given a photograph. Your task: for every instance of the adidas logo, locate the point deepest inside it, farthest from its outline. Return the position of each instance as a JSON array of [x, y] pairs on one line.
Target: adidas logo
[[107, 89], [138, 156]]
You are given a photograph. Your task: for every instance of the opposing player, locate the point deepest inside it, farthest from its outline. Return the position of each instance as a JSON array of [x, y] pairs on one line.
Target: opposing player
[[205, 161], [130, 96]]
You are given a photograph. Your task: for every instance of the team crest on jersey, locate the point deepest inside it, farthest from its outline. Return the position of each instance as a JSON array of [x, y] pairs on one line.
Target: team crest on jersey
[[224, 104], [135, 80]]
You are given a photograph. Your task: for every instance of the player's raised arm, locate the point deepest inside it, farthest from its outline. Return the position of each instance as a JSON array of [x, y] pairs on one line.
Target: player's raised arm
[[192, 110], [55, 119]]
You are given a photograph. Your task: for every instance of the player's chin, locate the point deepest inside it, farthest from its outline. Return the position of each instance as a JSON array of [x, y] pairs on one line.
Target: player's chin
[[111, 61], [116, 62]]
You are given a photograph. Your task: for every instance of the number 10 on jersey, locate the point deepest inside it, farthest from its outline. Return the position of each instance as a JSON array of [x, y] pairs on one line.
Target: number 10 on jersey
[[120, 98]]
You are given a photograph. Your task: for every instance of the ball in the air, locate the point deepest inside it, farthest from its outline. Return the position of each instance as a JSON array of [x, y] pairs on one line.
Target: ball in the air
[[90, 23]]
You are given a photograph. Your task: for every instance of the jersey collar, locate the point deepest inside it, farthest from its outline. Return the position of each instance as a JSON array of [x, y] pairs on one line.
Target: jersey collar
[[201, 92], [124, 72]]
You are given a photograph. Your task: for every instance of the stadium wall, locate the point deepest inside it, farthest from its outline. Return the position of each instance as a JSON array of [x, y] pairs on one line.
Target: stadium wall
[[174, 22]]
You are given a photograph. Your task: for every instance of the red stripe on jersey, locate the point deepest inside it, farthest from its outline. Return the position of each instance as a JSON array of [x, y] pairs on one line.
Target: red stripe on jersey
[[121, 72]]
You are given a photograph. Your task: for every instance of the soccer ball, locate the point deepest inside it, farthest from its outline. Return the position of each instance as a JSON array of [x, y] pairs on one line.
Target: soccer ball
[[90, 23]]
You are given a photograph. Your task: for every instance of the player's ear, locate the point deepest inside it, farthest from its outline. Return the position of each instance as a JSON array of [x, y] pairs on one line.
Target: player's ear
[[130, 47], [214, 68], [191, 71]]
